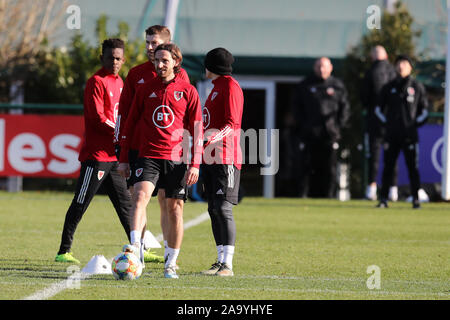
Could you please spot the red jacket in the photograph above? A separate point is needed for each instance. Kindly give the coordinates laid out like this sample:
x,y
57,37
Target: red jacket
x,y
222,116
101,104
163,111
137,76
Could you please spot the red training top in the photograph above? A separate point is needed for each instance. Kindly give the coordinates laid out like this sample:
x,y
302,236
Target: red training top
x,y
137,76
163,112
101,104
222,116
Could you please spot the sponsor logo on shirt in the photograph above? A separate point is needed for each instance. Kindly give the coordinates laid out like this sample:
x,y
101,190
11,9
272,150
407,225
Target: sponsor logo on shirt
x,y
163,117
206,117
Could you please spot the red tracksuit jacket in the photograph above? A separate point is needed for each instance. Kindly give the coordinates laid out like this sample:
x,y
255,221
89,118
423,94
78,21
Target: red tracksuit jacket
x,y
138,76
222,115
101,103
163,111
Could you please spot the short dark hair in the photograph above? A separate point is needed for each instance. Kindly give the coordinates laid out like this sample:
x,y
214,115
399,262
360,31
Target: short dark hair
x,y
112,43
404,57
174,51
160,30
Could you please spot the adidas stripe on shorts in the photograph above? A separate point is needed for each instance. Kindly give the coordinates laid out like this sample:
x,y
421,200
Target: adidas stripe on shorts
x,y
221,181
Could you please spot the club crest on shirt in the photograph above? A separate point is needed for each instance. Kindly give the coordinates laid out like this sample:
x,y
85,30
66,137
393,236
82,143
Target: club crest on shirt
x,y
139,172
214,95
330,91
411,92
178,95
100,175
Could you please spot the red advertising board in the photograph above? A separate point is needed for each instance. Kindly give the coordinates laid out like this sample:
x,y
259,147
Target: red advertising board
x,y
40,145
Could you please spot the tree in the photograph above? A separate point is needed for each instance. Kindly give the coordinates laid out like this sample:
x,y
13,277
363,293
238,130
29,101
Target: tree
x,y
24,26
60,74
397,36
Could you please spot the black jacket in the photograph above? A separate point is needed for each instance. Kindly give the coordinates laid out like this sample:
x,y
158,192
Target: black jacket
x,y
321,108
402,108
380,73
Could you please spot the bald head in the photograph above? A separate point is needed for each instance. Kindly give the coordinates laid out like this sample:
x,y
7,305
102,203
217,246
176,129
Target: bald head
x,y
378,53
323,68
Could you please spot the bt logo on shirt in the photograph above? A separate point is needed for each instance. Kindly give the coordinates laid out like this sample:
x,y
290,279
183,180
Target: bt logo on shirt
x,y
206,117
163,117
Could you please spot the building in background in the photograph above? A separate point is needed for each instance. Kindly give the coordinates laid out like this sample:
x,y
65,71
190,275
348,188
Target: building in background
x,y
274,43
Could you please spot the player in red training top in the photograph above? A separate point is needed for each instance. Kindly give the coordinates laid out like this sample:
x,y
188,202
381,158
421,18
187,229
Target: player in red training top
x,y
165,110
222,159
98,160
137,77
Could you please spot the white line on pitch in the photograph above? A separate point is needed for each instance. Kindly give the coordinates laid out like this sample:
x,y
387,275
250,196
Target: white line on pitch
x,y
62,285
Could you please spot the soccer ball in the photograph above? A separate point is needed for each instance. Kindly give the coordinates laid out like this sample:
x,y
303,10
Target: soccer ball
x,y
126,266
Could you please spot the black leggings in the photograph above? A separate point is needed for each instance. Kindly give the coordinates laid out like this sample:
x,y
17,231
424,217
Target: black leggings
x,y
222,221
93,174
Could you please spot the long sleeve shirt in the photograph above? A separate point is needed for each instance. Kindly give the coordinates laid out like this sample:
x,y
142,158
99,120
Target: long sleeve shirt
x,y
222,117
165,113
101,102
138,76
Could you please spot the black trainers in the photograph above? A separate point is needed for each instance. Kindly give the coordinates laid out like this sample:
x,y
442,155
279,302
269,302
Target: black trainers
x,y
382,204
214,268
416,204
225,271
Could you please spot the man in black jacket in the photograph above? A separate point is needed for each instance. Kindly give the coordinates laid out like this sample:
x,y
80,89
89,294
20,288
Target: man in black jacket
x,y
380,73
402,108
321,109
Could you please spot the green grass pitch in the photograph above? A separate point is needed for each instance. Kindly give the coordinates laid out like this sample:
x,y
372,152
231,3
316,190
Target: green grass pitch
x,y
289,249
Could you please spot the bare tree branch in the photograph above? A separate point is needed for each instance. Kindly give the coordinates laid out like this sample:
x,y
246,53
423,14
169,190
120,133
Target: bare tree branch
x,y
24,25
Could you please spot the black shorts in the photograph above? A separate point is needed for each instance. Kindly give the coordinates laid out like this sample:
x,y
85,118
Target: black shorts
x,y
221,181
161,172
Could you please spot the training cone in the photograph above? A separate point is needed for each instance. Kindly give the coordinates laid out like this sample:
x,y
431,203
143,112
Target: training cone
x,y
98,265
150,240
